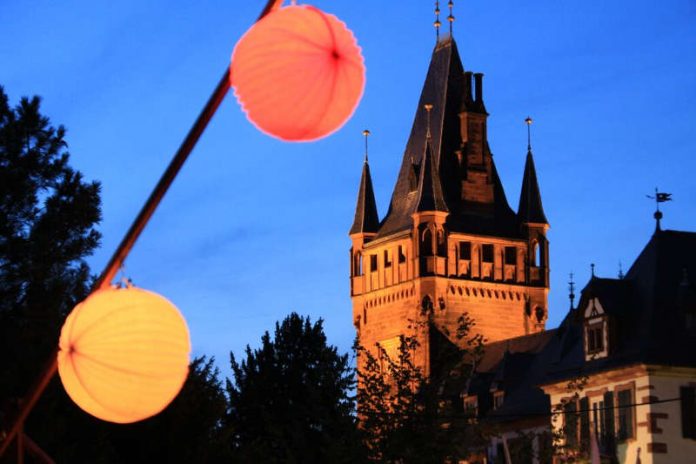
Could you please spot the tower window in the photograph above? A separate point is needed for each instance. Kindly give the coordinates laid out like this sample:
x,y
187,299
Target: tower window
x,y
402,255
427,243
510,255
465,250
373,263
358,265
487,253
539,313
387,258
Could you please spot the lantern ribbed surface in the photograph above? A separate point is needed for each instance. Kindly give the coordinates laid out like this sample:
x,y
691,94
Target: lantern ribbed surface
x,y
124,354
298,73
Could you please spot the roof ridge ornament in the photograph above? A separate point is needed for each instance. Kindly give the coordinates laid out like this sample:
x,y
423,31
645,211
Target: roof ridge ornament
x,y
428,108
366,134
529,122
571,291
450,18
437,22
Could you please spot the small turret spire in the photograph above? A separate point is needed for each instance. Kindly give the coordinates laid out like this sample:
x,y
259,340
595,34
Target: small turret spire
x,y
530,209
571,291
366,219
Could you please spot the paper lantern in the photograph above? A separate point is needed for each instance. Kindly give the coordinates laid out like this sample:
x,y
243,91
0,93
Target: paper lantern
x,y
124,354
298,73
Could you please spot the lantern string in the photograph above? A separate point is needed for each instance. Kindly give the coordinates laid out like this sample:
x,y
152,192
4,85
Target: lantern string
x,y
133,233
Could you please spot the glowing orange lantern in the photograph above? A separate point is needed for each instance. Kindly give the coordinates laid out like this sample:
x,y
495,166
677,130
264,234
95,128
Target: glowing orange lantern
x,y
124,354
298,73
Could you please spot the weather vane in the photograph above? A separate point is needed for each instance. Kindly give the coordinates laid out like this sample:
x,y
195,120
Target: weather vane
x,y
660,197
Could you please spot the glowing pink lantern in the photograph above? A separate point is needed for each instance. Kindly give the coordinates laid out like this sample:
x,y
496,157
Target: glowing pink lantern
x,y
298,73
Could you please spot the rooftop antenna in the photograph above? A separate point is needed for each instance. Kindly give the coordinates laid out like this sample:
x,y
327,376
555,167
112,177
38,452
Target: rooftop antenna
x,y
571,290
660,197
428,107
529,133
437,22
450,18
366,134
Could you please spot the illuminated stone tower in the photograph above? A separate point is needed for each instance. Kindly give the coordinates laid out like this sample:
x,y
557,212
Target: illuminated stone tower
x,y
449,240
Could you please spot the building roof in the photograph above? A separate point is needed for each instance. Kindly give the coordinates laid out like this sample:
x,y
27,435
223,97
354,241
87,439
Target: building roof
x,y
530,209
646,312
445,88
366,218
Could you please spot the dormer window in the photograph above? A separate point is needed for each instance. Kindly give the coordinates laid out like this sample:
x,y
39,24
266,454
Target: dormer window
x,y
596,331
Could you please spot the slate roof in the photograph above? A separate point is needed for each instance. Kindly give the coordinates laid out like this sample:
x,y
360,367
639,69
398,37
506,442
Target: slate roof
x,y
530,208
646,311
366,218
445,90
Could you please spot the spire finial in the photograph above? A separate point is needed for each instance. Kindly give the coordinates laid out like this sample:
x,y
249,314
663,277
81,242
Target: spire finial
x,y
592,269
660,197
437,22
428,107
366,134
450,18
571,291
529,133
621,273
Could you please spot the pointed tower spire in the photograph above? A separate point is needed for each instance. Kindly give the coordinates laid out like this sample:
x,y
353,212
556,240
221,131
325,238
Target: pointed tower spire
x,y
430,197
530,209
366,217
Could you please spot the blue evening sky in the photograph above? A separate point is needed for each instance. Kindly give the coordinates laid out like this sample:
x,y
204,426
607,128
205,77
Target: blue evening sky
x,y
254,228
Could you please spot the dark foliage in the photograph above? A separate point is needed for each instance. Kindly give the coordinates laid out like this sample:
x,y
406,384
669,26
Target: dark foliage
x,y
290,401
48,215
407,416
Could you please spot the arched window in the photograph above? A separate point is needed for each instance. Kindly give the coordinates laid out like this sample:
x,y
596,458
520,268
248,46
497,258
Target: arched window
x,y
426,246
358,264
536,254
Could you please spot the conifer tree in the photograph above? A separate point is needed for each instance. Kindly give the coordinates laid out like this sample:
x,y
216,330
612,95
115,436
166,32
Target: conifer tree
x,y
290,401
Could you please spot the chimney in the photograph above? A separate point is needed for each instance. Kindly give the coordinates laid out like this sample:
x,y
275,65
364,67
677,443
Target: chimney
x,y
479,87
467,86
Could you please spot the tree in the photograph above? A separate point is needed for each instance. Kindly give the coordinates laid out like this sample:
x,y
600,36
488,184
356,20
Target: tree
x,y
290,401
408,416
48,217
